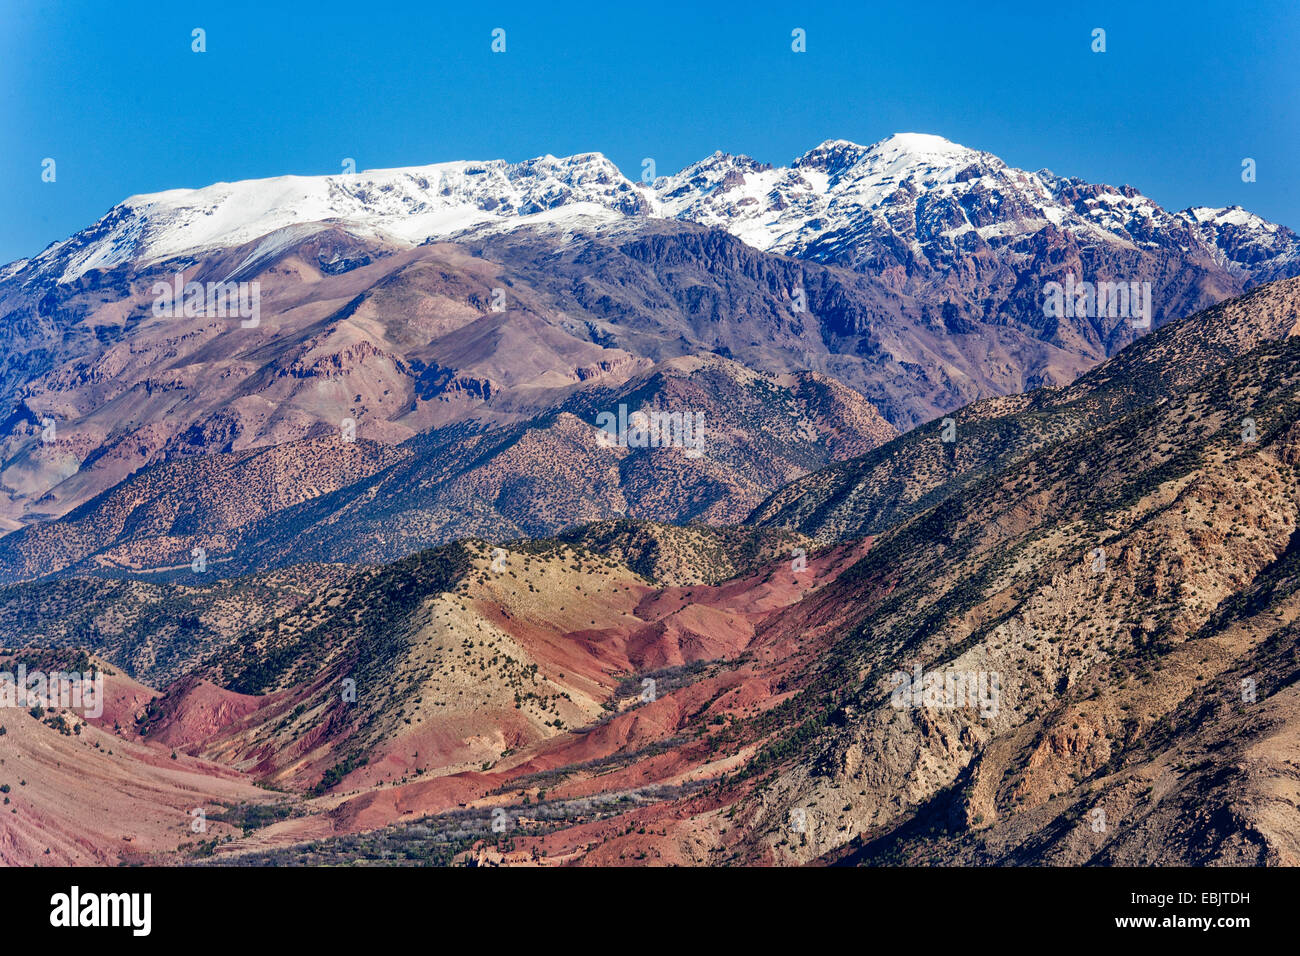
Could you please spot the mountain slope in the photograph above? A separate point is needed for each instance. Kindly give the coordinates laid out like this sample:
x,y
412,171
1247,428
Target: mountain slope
x,y
912,270
868,494
1096,653
87,791
1131,587
330,500
155,631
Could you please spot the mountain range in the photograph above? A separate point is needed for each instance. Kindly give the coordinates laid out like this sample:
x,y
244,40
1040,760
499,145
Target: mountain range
x,y
912,198
369,577
456,307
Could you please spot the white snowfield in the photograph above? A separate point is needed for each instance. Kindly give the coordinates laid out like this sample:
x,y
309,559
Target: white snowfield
x,y
914,188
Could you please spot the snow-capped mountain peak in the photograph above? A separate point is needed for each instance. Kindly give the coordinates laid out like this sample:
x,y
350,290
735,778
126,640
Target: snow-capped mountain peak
x,y
408,204
910,198
837,188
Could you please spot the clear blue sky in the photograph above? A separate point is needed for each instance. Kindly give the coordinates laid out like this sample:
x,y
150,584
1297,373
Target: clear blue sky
x,y
113,93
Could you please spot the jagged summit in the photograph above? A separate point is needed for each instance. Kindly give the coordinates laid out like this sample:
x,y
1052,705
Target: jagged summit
x,y
911,197
410,204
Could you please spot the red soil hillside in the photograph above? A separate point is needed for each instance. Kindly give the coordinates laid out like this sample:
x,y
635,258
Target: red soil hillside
x,y
504,683
84,790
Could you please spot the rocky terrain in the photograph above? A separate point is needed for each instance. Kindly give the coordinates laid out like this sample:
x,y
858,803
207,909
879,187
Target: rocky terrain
x,y
870,493
1102,578
329,500
438,306
156,631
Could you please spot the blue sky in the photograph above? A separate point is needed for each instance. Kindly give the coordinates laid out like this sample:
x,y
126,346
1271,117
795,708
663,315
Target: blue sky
x,y
114,94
